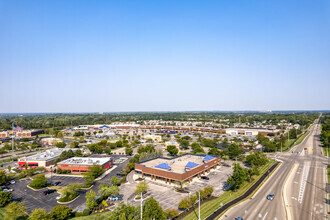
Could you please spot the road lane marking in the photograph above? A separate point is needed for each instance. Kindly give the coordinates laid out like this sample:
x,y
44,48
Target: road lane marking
x,y
303,182
265,216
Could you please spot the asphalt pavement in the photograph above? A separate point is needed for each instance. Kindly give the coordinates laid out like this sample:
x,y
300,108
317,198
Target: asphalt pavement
x,y
312,197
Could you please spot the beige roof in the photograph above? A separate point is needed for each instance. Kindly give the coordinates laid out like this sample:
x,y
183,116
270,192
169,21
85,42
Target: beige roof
x,y
177,165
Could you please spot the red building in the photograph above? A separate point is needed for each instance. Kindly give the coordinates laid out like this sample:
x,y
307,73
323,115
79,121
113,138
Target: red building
x,y
83,164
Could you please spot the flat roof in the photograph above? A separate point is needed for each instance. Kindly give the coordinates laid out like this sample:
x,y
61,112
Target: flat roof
x,y
86,161
177,164
47,155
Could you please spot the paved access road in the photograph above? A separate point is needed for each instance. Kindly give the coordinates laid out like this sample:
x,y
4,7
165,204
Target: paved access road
x,y
314,192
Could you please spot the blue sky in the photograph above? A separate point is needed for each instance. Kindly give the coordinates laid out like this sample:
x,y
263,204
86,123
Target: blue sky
x,y
87,56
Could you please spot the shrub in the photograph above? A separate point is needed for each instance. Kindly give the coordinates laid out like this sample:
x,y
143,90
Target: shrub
x,y
69,197
5,198
61,212
86,212
39,182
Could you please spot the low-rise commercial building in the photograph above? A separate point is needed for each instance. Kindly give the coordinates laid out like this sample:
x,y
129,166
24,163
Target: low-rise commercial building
x,y
50,141
78,165
157,138
21,134
178,169
43,159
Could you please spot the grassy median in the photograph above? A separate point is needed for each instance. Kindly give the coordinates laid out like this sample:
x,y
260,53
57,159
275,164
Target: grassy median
x,y
209,207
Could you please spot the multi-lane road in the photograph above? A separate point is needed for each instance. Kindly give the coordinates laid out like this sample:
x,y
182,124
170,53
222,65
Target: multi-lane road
x,y
302,178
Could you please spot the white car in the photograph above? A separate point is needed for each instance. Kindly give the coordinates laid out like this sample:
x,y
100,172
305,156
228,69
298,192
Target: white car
x,y
58,197
12,181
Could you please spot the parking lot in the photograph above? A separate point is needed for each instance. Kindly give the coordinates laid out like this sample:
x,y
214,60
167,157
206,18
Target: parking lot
x,y
166,195
37,199
217,179
33,199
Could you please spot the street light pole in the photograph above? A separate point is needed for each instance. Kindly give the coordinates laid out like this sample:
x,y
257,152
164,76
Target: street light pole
x,y
141,205
199,206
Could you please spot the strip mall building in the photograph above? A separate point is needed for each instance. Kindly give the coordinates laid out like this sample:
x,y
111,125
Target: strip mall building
x,y
178,169
79,165
42,159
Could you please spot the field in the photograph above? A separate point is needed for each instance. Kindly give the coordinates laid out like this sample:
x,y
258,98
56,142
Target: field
x,y
209,207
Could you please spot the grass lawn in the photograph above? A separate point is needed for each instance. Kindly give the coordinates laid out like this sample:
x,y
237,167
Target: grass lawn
x,y
209,207
325,151
92,217
287,144
2,213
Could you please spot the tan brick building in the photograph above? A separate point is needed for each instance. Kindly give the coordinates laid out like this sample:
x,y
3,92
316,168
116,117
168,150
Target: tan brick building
x,y
182,168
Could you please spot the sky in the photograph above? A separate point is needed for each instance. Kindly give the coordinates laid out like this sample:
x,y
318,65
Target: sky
x,y
112,56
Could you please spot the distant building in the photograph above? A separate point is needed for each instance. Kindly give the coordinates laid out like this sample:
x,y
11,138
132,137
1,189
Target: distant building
x,y
157,138
83,164
48,142
22,134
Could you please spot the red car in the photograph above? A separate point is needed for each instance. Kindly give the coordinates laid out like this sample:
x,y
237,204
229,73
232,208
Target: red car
x,y
7,184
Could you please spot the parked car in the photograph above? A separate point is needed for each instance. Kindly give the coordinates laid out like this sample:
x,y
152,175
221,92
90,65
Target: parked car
x,y
56,183
12,181
239,218
49,191
270,196
205,177
7,184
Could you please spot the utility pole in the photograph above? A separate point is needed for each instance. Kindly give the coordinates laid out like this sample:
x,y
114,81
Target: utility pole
x,y
141,205
12,139
199,206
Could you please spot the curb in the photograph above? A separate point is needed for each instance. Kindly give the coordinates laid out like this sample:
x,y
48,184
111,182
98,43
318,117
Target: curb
x,y
288,212
62,203
88,187
220,211
36,190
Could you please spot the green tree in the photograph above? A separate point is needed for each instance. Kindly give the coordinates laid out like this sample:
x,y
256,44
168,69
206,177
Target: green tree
x,y
5,198
171,213
74,144
3,177
214,151
141,188
40,214
61,212
208,191
114,181
90,199
197,148
257,159
128,150
96,170
192,199
234,151
152,210
238,177
109,191
61,145
184,204
251,172
15,210
172,149
59,134
39,181
89,178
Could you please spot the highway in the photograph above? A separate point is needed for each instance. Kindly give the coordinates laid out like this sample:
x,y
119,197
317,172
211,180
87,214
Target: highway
x,y
305,189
